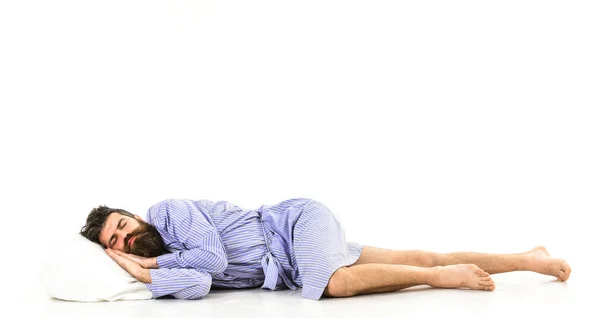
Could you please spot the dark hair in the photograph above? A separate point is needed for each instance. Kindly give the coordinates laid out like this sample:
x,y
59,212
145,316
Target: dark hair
x,y
95,222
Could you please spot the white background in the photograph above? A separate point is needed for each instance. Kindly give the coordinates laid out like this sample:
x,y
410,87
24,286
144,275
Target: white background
x,y
440,125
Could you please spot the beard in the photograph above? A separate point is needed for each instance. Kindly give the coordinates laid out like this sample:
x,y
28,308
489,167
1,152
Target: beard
x,y
147,243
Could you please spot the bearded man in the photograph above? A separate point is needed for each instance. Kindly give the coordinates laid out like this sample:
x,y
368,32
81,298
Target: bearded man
x,y
184,247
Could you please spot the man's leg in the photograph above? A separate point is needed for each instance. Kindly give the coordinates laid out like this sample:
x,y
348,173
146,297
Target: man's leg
x,y
536,260
378,278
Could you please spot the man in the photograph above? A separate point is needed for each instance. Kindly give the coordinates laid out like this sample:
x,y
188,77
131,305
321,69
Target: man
x,y
186,246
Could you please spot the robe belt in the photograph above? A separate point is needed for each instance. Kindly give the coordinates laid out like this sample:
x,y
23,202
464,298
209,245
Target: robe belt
x,y
272,268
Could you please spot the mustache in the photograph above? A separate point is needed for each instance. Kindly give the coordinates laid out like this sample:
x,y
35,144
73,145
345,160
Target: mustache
x,y
140,230
148,242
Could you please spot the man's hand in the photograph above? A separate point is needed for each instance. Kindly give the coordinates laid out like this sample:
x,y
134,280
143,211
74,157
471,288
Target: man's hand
x,y
145,262
132,267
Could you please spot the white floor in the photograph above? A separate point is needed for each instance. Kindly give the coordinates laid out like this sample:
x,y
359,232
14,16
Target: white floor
x,y
517,295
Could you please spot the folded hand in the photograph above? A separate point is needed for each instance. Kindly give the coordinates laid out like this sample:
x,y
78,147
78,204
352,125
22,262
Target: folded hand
x,y
145,262
132,267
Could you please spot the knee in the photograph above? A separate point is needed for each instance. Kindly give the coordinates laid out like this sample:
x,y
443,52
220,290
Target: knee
x,y
429,259
419,258
339,284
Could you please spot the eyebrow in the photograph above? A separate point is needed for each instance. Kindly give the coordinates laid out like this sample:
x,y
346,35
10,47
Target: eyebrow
x,y
112,236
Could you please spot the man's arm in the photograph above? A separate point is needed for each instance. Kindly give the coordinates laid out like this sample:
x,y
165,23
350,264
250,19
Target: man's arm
x,y
181,283
203,246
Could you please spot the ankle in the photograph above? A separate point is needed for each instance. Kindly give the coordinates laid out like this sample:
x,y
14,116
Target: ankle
x,y
432,276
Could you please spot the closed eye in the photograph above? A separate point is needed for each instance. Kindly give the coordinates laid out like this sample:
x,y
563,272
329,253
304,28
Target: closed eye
x,y
113,239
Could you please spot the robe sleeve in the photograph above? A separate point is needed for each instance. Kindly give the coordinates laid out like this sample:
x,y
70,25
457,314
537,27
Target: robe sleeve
x,y
187,224
182,283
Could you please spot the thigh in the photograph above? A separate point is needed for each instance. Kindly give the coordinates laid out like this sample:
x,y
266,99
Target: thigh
x,y
372,254
320,248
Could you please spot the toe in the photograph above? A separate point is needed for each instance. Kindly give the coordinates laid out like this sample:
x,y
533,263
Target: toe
x,y
476,269
567,268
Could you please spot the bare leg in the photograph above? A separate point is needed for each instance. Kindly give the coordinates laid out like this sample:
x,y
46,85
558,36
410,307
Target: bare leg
x,y
536,260
378,278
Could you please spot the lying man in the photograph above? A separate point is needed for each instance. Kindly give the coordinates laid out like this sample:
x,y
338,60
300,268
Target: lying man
x,y
186,246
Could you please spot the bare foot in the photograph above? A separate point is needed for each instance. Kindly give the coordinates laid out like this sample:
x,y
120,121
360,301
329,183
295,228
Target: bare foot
x,y
462,275
542,263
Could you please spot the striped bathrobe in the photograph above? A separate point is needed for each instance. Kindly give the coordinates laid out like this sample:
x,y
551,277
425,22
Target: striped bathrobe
x,y
294,243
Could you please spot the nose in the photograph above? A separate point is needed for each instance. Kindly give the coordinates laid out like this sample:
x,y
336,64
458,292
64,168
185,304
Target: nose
x,y
123,236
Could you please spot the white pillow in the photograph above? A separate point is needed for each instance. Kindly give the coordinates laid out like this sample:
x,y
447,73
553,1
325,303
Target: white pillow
x,y
80,270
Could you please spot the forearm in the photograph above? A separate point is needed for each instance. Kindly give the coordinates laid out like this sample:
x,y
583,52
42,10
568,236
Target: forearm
x,y
143,275
151,264
212,261
180,282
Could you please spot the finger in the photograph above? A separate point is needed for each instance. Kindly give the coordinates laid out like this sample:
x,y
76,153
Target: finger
x,y
132,257
121,253
110,253
118,258
125,263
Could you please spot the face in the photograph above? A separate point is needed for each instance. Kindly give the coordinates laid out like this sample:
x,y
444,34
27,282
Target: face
x,y
131,235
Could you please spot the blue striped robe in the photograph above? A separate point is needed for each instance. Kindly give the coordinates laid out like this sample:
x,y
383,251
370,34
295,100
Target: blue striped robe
x,y
294,243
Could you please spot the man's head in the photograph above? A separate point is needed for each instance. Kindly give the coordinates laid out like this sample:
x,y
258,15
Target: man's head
x,y
124,231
